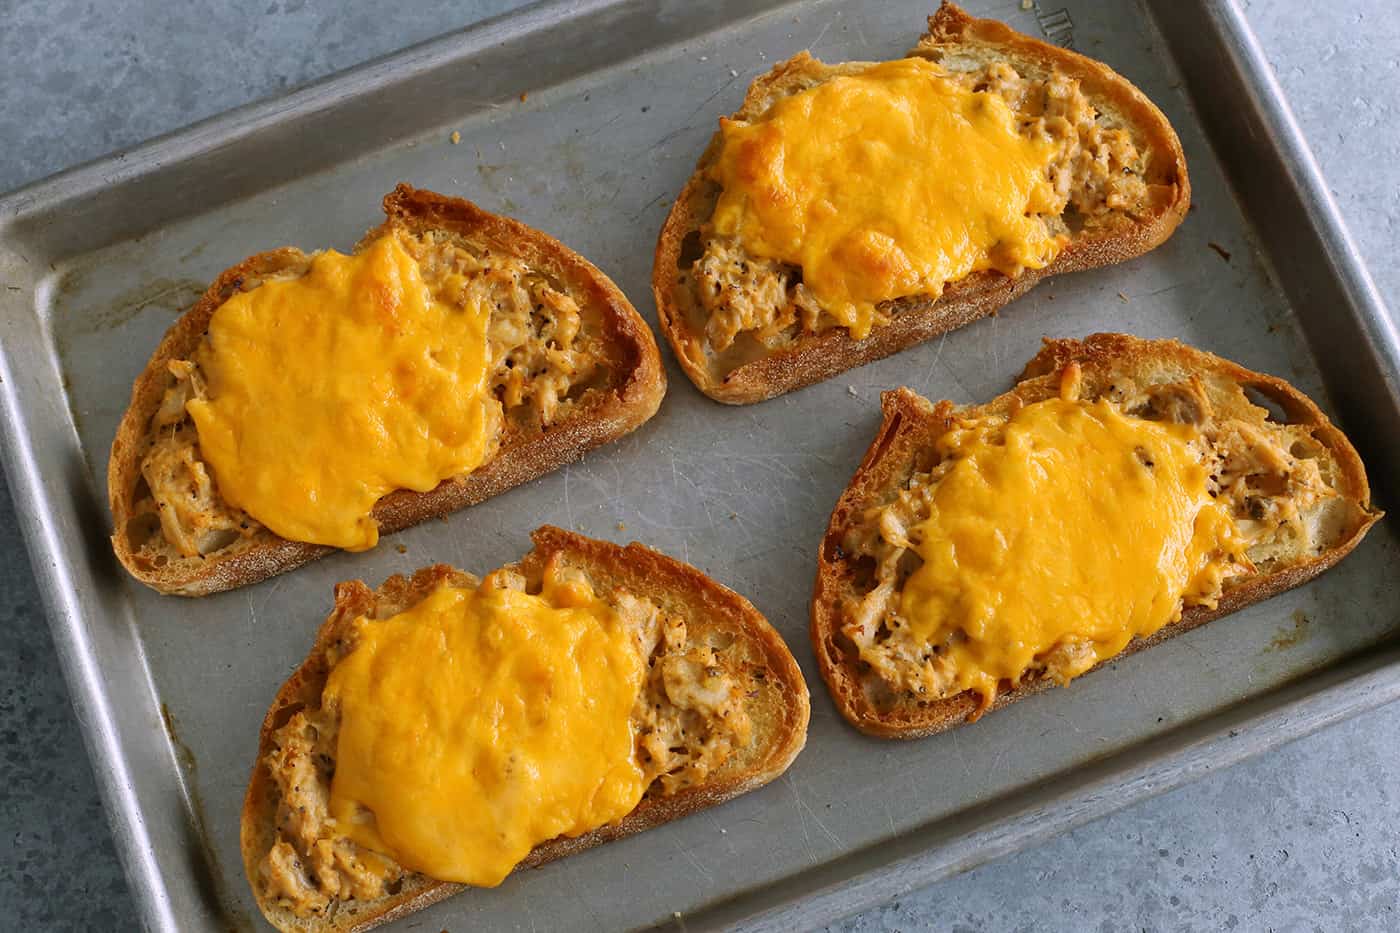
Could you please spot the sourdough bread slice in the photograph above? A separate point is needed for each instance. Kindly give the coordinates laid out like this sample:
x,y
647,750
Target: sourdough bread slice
x,y
745,646
622,387
752,369
1156,379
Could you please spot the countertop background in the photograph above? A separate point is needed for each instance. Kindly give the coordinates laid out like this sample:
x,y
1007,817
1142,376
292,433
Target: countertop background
x,y
1299,839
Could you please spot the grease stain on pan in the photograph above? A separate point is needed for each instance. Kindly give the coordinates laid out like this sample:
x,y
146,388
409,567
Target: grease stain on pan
x,y
210,873
1293,635
172,295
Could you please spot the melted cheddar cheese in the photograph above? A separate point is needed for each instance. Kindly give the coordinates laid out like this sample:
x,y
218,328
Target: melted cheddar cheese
x,y
483,722
1070,528
886,183
328,391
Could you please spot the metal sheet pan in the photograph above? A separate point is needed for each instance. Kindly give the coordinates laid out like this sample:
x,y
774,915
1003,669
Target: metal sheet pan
x,y
97,262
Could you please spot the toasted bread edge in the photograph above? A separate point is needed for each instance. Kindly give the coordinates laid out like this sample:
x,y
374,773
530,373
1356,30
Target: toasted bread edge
x,y
910,421
641,570
815,358
628,405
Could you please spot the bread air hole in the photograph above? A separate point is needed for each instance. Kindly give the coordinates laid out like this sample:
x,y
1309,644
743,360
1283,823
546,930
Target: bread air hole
x,y
600,378
863,574
212,541
1073,219
719,639
691,250
143,529
1278,408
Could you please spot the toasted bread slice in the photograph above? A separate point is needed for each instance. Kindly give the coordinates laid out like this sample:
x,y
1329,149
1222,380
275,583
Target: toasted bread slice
x,y
774,695
1160,379
750,369
622,391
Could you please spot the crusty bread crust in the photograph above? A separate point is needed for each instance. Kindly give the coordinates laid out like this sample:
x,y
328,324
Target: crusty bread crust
x,y
637,386
912,423
813,358
779,712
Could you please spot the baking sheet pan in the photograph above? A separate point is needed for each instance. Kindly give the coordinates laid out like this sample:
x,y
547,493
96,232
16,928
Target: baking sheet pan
x,y
584,119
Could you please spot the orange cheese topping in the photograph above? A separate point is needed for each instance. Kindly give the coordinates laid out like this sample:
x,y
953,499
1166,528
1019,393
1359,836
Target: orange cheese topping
x,y
483,722
328,391
1070,527
886,183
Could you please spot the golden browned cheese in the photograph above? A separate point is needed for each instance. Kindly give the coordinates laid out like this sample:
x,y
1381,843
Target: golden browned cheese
x,y
543,353
888,181
687,720
1094,170
1264,476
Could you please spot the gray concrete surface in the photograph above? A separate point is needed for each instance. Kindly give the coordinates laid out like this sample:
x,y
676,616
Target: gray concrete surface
x,y
1301,839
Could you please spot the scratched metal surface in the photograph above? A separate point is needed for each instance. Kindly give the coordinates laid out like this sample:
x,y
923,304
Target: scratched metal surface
x,y
179,688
